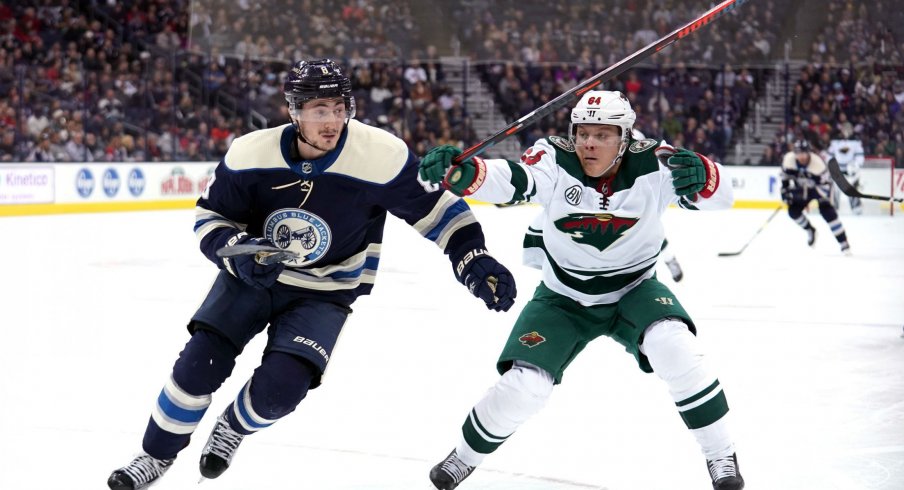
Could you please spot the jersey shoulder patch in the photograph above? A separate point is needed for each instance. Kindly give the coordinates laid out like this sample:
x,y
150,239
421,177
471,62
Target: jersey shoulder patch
x,y
256,150
370,154
642,145
562,143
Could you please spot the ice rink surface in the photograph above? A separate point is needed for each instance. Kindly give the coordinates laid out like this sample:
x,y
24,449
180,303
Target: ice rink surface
x,y
806,342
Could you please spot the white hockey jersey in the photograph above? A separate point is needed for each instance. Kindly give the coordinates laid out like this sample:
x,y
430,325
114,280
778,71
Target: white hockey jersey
x,y
849,154
596,238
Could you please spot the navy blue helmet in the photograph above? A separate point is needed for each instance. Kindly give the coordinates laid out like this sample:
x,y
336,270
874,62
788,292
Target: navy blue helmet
x,y
318,79
801,146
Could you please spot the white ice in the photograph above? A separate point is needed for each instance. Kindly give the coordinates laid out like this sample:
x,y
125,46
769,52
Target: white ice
x,y
806,342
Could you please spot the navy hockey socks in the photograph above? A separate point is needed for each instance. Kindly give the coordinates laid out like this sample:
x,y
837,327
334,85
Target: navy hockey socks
x,y
206,361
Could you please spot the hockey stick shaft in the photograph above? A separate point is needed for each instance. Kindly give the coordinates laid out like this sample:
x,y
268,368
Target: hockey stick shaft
x,y
604,76
263,254
773,215
849,189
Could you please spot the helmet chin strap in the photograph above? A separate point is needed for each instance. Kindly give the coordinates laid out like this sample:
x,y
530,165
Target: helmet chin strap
x,y
616,160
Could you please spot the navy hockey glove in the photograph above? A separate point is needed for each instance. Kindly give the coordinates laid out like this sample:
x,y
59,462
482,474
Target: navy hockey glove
x,y
247,268
436,167
788,188
487,279
688,172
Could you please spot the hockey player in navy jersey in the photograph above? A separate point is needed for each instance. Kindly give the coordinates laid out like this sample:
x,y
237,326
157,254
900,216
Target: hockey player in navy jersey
x,y
805,177
596,242
319,187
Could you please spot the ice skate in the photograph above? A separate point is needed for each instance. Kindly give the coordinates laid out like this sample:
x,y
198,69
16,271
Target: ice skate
x,y
221,447
675,269
448,473
140,473
811,236
725,473
846,249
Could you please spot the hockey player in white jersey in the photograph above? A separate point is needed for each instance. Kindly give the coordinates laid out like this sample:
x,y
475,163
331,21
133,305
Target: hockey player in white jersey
x,y
850,156
597,242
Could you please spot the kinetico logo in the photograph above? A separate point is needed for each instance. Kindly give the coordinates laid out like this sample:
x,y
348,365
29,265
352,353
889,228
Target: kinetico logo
x,y
84,182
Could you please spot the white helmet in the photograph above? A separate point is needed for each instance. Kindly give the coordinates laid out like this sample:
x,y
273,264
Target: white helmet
x,y
604,107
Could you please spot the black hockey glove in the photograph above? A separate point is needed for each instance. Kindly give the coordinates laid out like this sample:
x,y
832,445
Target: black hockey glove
x,y
247,268
788,188
487,279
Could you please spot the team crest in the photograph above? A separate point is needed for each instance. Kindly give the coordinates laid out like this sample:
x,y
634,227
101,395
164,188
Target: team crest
x,y
599,230
532,339
301,232
641,146
562,143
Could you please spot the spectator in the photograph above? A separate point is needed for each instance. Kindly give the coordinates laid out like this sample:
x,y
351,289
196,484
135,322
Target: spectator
x,y
76,151
43,151
769,157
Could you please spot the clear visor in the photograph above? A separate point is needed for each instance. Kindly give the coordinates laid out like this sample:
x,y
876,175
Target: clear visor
x,y
325,111
596,138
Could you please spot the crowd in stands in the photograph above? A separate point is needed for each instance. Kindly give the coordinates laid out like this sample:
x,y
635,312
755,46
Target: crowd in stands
x,y
115,81
549,48
603,33
854,86
697,108
159,80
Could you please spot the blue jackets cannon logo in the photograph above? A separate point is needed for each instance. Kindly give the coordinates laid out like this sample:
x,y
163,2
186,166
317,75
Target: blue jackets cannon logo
x,y
299,231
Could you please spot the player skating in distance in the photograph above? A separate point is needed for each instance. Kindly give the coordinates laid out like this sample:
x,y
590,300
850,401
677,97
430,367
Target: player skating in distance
x,y
805,177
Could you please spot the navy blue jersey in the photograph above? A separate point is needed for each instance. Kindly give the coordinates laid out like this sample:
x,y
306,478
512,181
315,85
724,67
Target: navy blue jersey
x,y
331,210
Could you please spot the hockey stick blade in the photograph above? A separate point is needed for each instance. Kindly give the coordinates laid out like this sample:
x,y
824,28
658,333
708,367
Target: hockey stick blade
x,y
509,204
264,254
735,254
850,190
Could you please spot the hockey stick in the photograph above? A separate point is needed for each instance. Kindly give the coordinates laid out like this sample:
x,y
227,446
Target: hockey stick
x,y
847,188
263,254
603,76
734,254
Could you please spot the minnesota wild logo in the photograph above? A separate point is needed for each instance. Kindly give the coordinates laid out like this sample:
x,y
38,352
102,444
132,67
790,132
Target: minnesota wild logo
x,y
532,339
598,230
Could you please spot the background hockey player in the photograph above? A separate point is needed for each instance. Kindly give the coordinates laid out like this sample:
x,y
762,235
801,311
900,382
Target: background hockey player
x,y
850,156
671,261
320,186
597,242
805,177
